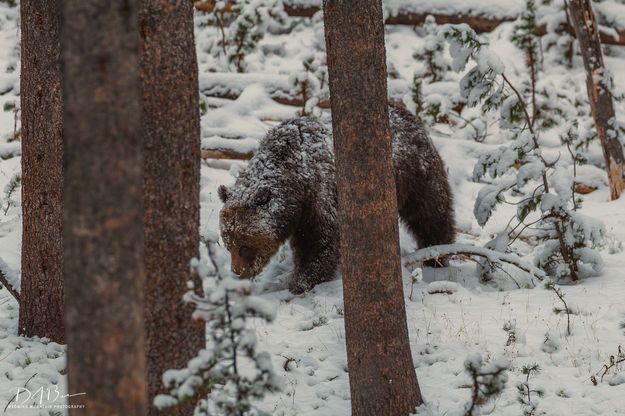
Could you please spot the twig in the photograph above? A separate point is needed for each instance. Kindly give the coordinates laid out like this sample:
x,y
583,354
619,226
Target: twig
x,y
568,146
559,294
525,227
509,275
475,390
478,138
288,361
613,362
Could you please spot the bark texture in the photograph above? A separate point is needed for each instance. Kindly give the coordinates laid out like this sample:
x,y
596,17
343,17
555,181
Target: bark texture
x,y
103,219
381,371
599,94
41,303
171,184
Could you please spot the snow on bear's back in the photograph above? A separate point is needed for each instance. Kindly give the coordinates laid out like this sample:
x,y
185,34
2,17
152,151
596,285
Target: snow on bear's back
x,y
298,146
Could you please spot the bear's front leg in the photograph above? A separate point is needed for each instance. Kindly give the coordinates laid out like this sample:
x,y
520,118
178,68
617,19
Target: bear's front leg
x,y
316,261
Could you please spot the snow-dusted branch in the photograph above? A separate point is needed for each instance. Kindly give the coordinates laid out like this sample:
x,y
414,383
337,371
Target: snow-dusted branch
x,y
447,250
10,280
213,379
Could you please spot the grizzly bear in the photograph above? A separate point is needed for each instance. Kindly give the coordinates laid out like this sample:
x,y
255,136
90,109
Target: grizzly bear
x,y
288,193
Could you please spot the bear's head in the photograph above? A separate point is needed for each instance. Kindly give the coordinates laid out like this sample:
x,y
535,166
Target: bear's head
x,y
248,230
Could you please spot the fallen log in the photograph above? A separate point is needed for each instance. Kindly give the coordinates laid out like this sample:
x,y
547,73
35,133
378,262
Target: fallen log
x,y
227,144
226,154
230,85
609,36
480,22
410,18
404,16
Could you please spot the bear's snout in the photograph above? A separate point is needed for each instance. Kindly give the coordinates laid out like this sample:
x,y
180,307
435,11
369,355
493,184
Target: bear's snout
x,y
238,267
243,261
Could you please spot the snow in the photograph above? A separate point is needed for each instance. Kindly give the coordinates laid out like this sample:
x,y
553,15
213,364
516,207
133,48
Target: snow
x,y
611,13
442,287
448,321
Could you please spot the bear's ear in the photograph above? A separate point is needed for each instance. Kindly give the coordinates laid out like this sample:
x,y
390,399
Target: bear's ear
x,y
224,193
262,196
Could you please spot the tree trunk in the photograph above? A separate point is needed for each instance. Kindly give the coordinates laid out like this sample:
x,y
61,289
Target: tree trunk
x,y
599,94
381,371
103,219
169,77
41,300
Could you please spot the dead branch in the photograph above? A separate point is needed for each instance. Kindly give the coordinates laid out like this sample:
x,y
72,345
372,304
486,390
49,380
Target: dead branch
x,y
613,362
599,94
447,250
9,287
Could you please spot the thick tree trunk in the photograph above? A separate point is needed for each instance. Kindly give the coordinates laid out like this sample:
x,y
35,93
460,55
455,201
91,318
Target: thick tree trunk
x,y
41,303
381,371
103,219
599,94
171,184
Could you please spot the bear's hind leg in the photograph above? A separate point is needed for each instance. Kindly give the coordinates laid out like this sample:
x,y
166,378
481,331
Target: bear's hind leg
x,y
429,227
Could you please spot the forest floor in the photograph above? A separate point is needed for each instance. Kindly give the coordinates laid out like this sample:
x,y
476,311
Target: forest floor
x,y
307,339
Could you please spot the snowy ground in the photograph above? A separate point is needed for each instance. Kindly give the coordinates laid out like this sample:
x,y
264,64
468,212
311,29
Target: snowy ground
x,y
307,339
308,335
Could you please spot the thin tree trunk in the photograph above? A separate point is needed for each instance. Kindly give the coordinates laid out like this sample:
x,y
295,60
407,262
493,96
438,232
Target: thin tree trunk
x,y
171,185
599,94
381,371
41,303
103,219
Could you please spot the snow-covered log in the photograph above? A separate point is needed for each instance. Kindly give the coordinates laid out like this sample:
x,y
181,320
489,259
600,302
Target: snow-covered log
x,y
230,85
406,16
481,15
411,12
